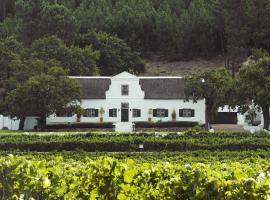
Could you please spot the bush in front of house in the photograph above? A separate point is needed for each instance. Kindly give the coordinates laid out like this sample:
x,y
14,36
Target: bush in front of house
x,y
165,124
78,126
109,125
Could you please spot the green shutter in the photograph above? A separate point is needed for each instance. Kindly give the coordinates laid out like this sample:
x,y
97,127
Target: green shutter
x,y
110,112
96,112
139,113
192,112
154,112
166,113
85,112
181,114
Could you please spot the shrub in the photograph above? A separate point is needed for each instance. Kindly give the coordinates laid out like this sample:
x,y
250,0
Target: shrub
x,y
164,124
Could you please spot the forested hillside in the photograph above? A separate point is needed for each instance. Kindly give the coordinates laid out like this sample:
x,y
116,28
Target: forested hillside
x,y
116,30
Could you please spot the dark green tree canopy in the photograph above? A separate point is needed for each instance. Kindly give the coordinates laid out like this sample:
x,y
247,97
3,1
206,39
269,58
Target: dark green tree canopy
x,y
215,86
253,84
79,61
42,95
115,55
171,27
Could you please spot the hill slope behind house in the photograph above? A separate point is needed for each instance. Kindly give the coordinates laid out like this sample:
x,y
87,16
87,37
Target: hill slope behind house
x,y
159,67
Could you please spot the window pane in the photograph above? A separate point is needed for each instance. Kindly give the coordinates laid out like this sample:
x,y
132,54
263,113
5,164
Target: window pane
x,y
90,112
136,113
124,105
187,113
124,89
161,112
113,112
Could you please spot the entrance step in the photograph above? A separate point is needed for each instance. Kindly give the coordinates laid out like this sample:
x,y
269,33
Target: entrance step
x,y
124,127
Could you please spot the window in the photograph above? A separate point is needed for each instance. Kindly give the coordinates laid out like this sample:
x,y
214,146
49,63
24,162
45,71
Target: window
x,y
124,105
186,113
91,112
136,113
124,90
113,112
64,114
160,112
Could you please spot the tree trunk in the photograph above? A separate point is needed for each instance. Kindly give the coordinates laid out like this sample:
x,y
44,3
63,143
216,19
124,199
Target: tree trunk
x,y
21,124
208,116
266,122
42,121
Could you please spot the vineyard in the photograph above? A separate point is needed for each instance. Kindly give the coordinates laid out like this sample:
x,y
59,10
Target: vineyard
x,y
194,165
92,142
108,178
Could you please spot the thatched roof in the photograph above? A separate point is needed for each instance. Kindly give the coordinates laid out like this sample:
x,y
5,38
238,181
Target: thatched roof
x,y
154,87
163,88
94,88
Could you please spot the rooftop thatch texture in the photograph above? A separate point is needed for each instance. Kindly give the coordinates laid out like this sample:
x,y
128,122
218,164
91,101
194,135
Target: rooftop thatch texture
x,y
163,88
94,88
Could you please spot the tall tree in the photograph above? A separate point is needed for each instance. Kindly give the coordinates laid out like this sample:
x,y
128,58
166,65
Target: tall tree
x,y
42,95
79,61
57,20
213,86
10,56
115,55
253,85
6,8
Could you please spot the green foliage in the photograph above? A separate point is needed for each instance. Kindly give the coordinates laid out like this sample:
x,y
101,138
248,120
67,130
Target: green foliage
x,y
173,115
108,178
10,56
173,28
79,61
253,84
213,86
42,95
190,140
115,55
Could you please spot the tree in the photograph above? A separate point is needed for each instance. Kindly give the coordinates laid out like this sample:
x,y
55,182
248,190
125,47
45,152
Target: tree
x,y
253,85
10,57
57,20
213,86
79,61
42,95
115,55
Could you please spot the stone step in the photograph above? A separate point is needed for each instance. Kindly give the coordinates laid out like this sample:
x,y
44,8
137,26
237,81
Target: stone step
x,y
127,127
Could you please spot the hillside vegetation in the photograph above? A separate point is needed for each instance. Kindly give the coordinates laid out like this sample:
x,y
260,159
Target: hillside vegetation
x,y
176,29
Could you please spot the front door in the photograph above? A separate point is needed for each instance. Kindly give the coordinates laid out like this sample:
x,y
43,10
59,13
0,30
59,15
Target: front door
x,y
124,112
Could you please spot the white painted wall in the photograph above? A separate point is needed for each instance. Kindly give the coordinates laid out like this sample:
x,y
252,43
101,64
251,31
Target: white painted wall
x,y
13,123
6,122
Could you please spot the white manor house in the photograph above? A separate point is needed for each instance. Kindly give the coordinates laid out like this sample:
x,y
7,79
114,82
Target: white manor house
x,y
128,98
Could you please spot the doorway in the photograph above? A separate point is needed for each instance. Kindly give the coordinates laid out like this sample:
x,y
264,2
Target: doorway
x,y
124,112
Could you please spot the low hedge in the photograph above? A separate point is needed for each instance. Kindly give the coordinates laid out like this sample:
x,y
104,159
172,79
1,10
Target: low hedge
x,y
164,124
109,125
78,126
131,142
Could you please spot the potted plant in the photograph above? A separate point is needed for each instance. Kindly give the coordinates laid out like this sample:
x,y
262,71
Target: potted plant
x,y
79,112
173,115
101,112
150,112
